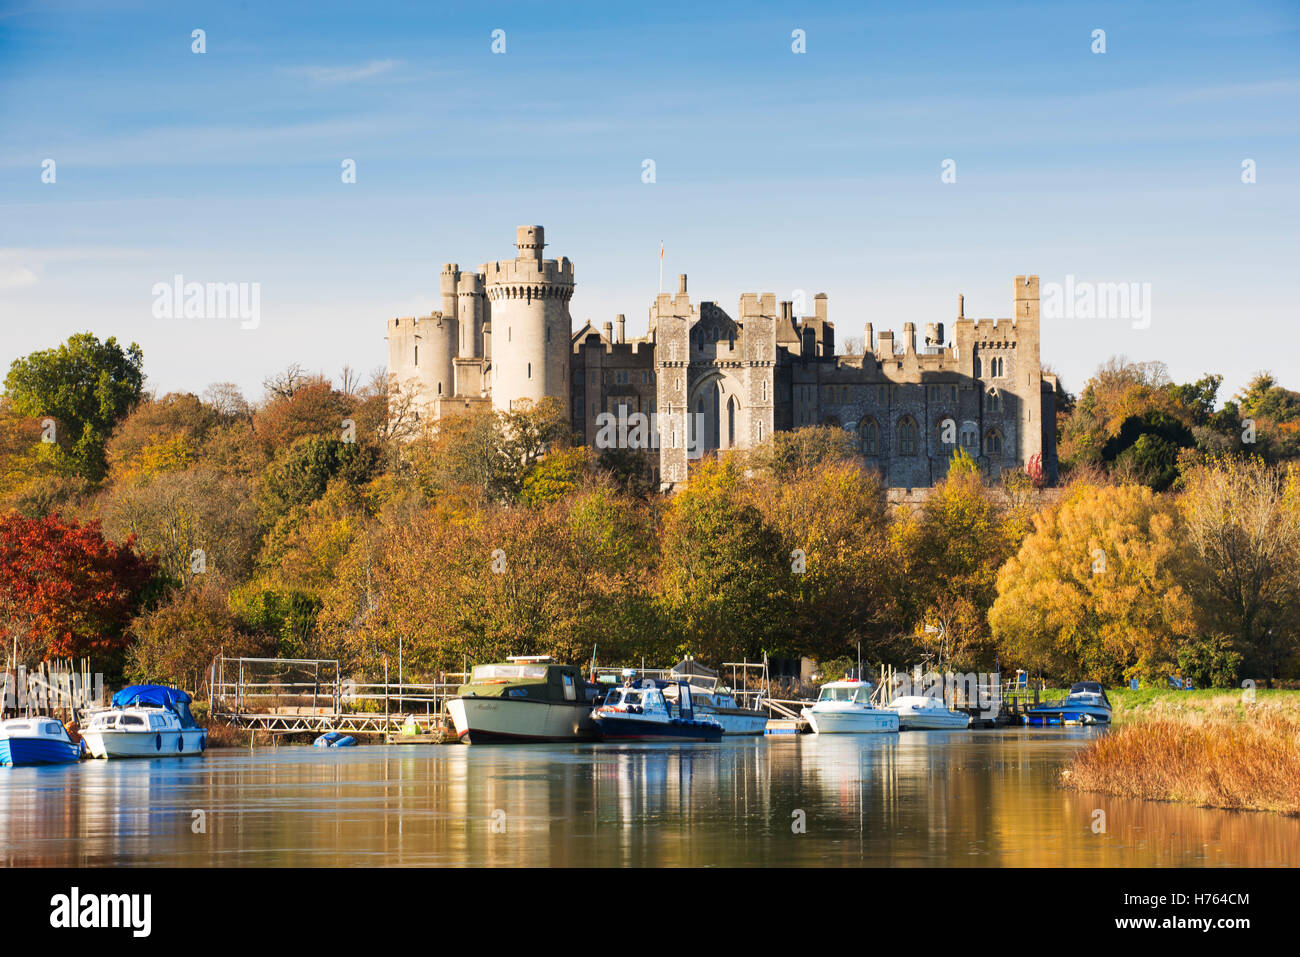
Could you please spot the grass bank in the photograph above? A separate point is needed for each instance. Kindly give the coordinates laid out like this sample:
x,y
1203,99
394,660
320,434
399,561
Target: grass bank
x,y
1207,748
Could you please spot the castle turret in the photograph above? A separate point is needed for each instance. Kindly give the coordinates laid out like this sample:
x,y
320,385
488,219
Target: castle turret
x,y
470,301
421,352
531,325
1027,370
449,278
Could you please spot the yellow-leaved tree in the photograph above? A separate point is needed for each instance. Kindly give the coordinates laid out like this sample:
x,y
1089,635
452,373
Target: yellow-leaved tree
x,y
1095,591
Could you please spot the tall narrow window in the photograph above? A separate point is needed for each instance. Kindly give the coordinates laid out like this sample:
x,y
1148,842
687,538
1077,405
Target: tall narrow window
x,y
417,355
731,422
870,433
907,436
530,370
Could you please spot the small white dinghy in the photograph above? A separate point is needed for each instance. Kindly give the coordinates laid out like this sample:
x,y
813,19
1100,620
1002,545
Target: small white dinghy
x,y
919,712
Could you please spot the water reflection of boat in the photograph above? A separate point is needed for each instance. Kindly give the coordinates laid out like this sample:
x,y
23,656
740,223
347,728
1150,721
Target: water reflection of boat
x,y
844,707
28,741
527,698
926,713
1085,704
642,714
145,721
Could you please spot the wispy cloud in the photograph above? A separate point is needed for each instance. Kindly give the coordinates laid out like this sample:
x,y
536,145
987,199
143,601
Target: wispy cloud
x,y
335,75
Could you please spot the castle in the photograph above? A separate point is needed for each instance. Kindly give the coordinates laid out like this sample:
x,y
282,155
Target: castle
x,y
701,380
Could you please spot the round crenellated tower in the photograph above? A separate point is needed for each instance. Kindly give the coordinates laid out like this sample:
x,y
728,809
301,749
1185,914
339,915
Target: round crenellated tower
x,y
529,304
420,353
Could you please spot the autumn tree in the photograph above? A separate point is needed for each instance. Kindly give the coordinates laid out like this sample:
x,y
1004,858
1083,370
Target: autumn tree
x,y
834,528
192,522
160,435
1243,522
176,639
1096,589
948,553
783,454
69,591
725,573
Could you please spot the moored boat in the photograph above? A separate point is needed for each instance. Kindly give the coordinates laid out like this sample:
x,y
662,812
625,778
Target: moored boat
x,y
844,707
145,721
632,713
1085,704
721,706
32,741
926,713
525,698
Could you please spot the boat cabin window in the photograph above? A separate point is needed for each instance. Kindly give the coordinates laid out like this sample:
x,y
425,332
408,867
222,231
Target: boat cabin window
x,y
50,727
132,720
570,691
837,694
18,727
485,674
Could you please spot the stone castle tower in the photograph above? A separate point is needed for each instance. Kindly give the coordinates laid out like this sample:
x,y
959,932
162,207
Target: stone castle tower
x,y
447,357
706,381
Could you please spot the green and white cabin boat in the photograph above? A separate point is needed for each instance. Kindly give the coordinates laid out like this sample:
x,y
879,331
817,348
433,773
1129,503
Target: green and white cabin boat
x,y
525,698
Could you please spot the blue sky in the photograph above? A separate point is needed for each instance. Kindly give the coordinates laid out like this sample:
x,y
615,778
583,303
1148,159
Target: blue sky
x,y
775,171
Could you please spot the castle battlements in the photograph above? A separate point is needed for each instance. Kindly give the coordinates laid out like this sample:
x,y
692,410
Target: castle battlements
x,y
504,336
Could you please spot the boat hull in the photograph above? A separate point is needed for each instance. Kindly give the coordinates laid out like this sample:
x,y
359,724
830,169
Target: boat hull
x,y
619,727
26,752
851,722
146,744
736,721
1067,715
932,721
502,720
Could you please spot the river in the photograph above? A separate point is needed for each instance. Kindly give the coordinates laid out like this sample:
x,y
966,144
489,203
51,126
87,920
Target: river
x,y
915,799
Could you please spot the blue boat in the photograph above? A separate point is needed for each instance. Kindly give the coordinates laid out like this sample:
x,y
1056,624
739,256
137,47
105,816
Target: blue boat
x,y
1085,704
332,739
642,714
30,741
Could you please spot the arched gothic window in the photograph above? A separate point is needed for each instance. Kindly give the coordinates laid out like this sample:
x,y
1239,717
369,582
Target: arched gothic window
x,y
907,436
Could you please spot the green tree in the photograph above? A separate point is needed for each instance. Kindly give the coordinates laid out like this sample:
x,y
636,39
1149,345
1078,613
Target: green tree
x,y
724,572
86,386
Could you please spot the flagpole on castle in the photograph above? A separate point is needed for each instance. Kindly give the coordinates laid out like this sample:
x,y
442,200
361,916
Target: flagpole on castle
x,y
661,266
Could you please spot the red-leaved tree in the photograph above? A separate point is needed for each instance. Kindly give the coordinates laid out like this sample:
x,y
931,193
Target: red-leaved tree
x,y
65,590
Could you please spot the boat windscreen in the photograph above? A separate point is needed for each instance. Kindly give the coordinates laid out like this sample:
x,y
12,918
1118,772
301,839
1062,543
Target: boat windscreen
x,y
836,694
485,673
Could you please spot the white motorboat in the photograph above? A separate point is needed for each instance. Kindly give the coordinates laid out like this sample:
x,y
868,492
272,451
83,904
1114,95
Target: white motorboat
x,y
146,721
844,707
927,713
141,732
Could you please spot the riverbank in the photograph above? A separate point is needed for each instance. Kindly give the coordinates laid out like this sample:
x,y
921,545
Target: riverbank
x,y
1208,748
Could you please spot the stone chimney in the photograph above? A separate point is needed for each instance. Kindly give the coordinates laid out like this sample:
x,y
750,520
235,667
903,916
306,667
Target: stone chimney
x,y
621,322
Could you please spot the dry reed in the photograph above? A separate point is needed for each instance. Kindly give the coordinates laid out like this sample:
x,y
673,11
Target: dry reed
x,y
1246,758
